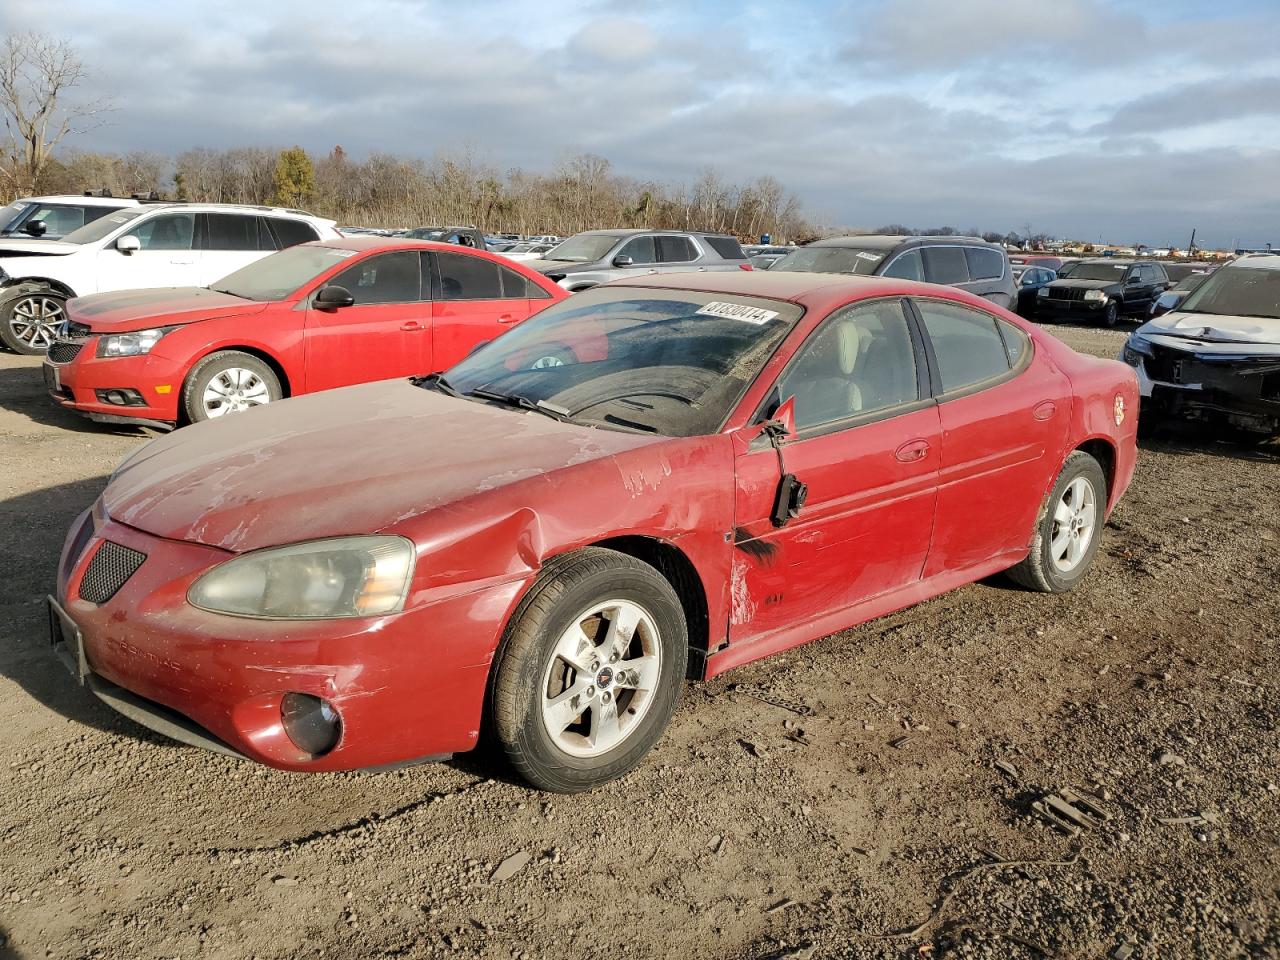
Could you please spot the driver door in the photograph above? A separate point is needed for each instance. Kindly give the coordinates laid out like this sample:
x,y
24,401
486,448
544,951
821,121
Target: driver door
x,y
167,256
868,446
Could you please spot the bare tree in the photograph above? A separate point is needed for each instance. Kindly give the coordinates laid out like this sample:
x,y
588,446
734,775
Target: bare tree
x,y
36,74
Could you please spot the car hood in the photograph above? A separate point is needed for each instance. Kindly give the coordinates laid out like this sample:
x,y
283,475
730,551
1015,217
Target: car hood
x,y
127,310
29,248
340,462
1067,283
1207,328
557,266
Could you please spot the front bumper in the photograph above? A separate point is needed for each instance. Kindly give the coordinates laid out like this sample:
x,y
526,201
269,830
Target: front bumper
x,y
1241,390
1047,308
407,687
83,383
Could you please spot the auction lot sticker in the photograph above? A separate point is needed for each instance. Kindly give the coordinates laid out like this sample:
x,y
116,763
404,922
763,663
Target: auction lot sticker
x,y
737,311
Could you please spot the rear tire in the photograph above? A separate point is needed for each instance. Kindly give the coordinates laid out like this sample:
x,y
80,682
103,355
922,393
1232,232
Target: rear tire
x,y
29,322
228,382
1068,529
568,728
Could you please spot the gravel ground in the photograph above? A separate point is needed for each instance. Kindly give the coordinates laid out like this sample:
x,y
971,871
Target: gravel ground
x,y
784,814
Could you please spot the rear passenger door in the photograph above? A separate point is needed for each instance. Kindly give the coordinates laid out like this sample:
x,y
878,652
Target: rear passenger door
x,y
676,254
229,241
475,300
1004,414
386,333
945,265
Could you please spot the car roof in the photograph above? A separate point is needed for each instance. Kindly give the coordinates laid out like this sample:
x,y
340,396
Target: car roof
x,y
84,201
1258,261
634,231
875,241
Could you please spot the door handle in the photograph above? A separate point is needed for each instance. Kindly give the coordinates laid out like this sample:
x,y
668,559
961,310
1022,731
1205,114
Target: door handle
x,y
185,263
411,326
912,451
506,318
1045,410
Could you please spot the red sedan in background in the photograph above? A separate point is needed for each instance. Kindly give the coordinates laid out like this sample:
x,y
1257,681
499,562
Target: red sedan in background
x,y
309,318
716,468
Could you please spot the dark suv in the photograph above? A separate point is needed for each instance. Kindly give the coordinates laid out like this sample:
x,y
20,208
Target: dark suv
x,y
967,262
598,256
1103,290
463,236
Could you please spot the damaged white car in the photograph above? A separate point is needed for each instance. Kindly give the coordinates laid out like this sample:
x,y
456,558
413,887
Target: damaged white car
x,y
1217,357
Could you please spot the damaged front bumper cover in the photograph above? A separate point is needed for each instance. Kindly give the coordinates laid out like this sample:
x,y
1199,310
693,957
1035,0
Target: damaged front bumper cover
x,y
1242,389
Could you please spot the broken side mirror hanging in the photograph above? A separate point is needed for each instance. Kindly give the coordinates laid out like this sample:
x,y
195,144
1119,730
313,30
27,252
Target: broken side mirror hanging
x,y
792,493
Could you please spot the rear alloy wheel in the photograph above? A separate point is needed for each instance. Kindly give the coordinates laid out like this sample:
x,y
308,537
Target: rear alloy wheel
x,y
1069,528
227,383
591,670
1111,313
29,323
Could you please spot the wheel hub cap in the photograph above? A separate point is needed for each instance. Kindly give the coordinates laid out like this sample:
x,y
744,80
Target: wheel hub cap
x,y
1074,519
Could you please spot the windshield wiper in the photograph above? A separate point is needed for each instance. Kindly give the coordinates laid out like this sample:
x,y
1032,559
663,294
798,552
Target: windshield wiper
x,y
553,410
671,394
438,381
230,293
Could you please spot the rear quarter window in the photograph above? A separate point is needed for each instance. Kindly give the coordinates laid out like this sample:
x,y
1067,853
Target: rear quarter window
x,y
967,344
727,247
945,265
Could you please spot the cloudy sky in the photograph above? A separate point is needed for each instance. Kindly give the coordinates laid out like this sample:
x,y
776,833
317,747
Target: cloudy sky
x,y
1120,120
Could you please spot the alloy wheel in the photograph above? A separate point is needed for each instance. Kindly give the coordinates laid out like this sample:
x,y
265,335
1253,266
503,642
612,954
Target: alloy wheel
x,y
1075,518
35,320
234,390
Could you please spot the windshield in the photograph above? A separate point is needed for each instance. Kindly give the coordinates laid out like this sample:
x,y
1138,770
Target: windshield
x,y
92,232
584,248
673,362
1111,272
10,214
277,276
1237,292
831,260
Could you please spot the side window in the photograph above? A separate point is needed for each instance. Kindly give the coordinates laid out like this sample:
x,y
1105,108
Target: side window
x,y
946,265
640,250
386,278
859,361
675,250
59,221
468,278
290,232
230,231
1016,342
515,286
967,344
727,247
906,267
984,263
167,231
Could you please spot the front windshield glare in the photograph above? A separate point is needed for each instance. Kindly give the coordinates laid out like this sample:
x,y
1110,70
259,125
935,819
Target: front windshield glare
x,y
99,228
1237,292
830,260
281,274
673,362
582,249
1111,272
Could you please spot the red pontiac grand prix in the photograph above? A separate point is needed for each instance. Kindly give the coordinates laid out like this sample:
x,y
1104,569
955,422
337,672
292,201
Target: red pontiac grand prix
x,y
713,468
315,316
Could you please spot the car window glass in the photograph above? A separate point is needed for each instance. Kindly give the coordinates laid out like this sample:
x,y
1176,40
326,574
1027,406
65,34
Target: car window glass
x,y
966,343
386,278
59,221
289,231
859,361
230,231
906,267
946,265
675,250
984,263
1016,342
167,231
265,240
468,278
515,286
727,247
640,250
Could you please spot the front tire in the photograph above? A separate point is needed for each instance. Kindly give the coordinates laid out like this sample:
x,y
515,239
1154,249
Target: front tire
x,y
1068,529
1111,314
591,670
29,322
228,382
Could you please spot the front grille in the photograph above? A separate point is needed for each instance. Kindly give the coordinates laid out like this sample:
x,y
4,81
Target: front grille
x,y
110,567
1166,365
1066,293
64,351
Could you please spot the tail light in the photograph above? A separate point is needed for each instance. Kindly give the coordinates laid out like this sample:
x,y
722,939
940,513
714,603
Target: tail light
x,y
745,266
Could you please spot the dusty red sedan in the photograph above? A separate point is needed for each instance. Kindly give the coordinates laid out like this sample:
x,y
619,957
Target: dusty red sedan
x,y
309,318
713,468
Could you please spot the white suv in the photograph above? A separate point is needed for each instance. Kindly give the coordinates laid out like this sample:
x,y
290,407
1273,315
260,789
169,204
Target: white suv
x,y
150,245
52,218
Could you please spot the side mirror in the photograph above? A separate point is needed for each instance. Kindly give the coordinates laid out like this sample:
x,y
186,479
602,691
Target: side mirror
x,y
36,228
333,297
129,245
622,260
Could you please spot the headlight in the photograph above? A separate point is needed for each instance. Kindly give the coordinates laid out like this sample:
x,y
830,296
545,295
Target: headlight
x,y
130,344
1094,295
319,580
1042,292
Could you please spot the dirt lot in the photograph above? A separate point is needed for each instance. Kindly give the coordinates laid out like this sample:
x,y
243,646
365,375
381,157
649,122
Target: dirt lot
x,y
776,819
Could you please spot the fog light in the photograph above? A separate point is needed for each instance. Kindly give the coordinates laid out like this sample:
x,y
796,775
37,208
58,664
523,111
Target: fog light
x,y
311,723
